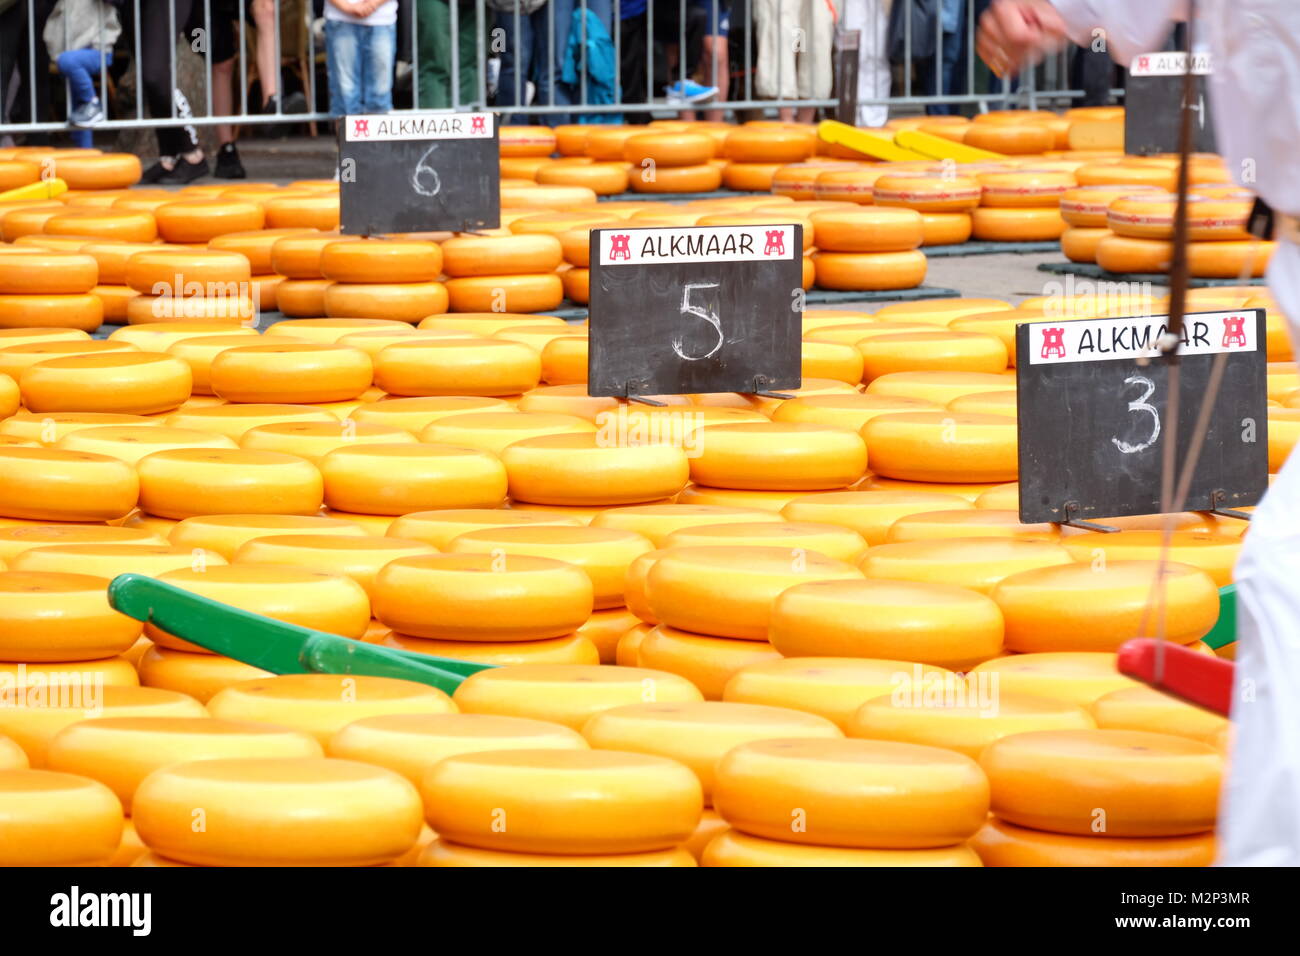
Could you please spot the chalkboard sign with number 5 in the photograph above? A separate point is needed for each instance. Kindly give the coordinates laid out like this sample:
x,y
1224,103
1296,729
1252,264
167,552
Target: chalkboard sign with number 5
x,y
1092,400
425,173
695,309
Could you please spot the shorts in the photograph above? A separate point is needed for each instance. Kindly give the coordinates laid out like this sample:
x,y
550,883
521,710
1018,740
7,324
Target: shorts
x,y
724,16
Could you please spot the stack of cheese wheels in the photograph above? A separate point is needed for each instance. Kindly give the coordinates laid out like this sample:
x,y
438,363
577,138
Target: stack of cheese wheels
x,y
190,285
560,808
836,802
434,604
1100,798
515,273
306,811
1020,205
383,279
256,247
1084,209
944,201
1141,229
297,258
671,162
40,288
111,290
707,633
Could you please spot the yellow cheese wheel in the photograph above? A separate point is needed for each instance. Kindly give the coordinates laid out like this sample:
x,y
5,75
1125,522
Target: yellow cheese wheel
x,y
603,553
1098,605
278,812
625,654
831,360
181,483
393,260
831,687
236,308
1080,244
869,271
634,593
927,193
120,752
605,628
564,360
1229,259
658,522
975,563
257,245
396,479
45,683
1121,254
603,179
102,171
1124,783
987,403
938,311
968,490
410,744
312,440
20,537
732,848
1023,188
966,719
225,534
313,599
60,617
448,596
34,715
124,225
306,212
161,336
1150,710
850,411
749,177
684,589
579,469
1086,206
84,312
110,560
707,662
1151,216
769,145
886,229
124,382
942,446
565,693
474,366
290,373
234,420
500,293
46,484
569,649
11,337
851,793
507,255
47,273
1032,224
945,228
698,734
930,623
413,414
201,351
492,431
778,456
701,178
562,801
199,676
298,256
441,853
937,387
130,443
526,140
405,301
931,351
200,220
1077,677
11,755
321,704
302,298
56,819
28,220
372,343
438,528
1000,843
668,149
979,523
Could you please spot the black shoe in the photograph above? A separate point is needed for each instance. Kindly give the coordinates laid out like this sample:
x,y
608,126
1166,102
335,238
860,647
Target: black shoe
x,y
185,172
155,173
228,164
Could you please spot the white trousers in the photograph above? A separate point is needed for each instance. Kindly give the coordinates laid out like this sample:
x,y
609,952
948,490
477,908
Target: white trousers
x,y
871,19
794,49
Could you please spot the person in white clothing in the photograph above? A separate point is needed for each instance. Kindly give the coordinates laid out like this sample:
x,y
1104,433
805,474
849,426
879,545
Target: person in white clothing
x,y
871,19
1255,88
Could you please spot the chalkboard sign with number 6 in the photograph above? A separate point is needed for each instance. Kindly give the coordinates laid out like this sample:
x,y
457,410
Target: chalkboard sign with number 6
x,y
695,309
1092,398
426,173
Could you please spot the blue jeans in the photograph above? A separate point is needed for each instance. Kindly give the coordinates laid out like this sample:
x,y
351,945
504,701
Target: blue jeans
x,y
527,56
79,66
360,64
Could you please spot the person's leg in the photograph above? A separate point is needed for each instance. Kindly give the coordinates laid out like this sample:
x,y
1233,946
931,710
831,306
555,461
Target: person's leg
x,y
467,30
380,49
632,67
77,65
343,56
433,28
553,19
516,62
268,67
159,25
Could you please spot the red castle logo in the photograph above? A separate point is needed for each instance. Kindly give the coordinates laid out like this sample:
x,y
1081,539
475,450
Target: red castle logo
x,y
476,124
618,247
361,127
775,243
1053,343
1143,62
1233,332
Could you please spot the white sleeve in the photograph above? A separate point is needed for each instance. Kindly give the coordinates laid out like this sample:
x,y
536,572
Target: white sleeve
x,y
1127,28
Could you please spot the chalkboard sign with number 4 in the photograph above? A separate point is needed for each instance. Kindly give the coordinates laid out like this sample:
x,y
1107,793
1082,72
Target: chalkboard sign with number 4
x,y
1091,402
695,309
427,173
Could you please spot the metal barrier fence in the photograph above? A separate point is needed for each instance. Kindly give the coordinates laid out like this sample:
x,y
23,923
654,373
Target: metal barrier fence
x,y
844,56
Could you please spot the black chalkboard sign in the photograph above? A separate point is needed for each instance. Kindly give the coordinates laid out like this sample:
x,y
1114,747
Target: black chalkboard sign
x,y
419,173
1092,396
695,309
1153,100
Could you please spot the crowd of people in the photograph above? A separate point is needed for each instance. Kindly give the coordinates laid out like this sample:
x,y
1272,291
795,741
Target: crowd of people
x,y
595,55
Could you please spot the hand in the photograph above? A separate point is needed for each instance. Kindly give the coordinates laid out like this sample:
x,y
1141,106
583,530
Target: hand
x,y
365,8
1012,30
